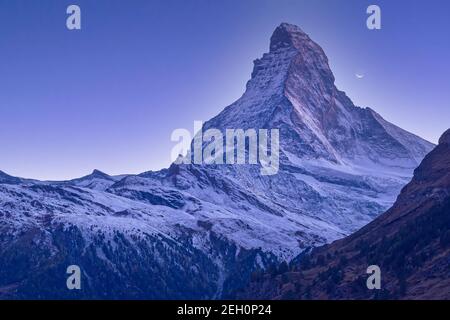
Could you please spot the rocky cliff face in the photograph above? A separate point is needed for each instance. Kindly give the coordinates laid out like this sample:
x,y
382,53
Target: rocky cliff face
x,y
410,243
209,226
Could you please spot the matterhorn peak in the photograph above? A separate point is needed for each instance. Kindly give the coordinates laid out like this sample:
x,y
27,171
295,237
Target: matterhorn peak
x,y
309,61
287,35
445,138
293,56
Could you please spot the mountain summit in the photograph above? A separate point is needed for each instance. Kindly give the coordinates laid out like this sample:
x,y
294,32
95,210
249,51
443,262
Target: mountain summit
x,y
198,231
292,88
309,54
288,35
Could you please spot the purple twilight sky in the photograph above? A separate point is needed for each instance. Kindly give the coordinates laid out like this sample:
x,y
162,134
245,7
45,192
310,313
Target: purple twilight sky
x,y
109,96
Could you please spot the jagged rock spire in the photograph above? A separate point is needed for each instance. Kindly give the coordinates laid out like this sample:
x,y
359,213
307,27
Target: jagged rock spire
x,y
287,35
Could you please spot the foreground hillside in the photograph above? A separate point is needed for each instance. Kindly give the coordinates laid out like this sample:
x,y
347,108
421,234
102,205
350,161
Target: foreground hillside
x,y
410,243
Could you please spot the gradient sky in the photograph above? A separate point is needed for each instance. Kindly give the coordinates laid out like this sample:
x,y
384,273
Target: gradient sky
x,y
110,95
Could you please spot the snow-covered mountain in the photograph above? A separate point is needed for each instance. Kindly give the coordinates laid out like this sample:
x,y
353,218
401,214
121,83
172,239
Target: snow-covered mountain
x,y
198,231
